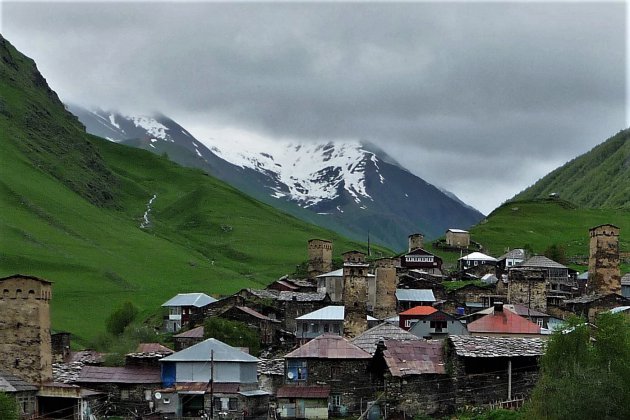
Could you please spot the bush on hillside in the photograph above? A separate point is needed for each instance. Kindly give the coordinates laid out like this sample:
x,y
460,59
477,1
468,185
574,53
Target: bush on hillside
x,y
234,333
121,318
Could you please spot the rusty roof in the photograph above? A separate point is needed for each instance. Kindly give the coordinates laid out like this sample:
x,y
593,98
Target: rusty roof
x,y
155,348
385,331
303,392
217,387
255,314
119,375
419,310
415,357
504,321
328,346
194,333
479,346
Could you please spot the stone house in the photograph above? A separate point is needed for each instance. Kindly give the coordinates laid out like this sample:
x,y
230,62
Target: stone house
x,y
458,238
188,338
589,306
625,285
539,318
492,369
528,286
333,362
413,376
470,298
511,259
414,280
328,320
369,340
438,325
420,259
24,393
210,376
556,275
185,309
266,327
503,323
409,298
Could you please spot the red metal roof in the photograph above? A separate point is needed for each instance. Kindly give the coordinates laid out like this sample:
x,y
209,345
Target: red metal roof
x,y
328,346
504,322
303,392
414,357
119,375
419,310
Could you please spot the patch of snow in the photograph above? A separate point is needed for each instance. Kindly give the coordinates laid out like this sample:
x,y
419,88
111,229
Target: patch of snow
x,y
152,145
112,121
152,126
339,209
145,218
153,140
406,195
198,154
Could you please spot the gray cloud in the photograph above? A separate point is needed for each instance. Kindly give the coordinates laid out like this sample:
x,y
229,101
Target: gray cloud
x,y
514,88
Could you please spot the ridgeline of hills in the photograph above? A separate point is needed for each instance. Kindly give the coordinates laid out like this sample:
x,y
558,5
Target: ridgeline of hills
x,y
350,187
73,205
599,178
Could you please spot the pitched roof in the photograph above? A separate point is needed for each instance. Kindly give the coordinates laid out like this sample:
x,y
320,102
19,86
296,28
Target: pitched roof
x,y
198,300
153,348
335,273
12,383
415,357
303,392
302,296
119,375
504,321
516,308
328,313
479,346
457,230
477,256
255,314
415,295
25,276
540,261
517,253
419,310
625,279
200,352
385,331
196,332
328,346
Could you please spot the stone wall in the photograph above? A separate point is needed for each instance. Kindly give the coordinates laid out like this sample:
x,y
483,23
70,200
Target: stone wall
x,y
528,288
416,240
414,395
384,304
25,341
603,262
355,295
319,257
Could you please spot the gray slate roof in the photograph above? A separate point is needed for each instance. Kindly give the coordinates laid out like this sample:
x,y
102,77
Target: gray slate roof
x,y
11,383
517,253
302,296
480,346
625,279
385,331
415,295
200,352
540,261
198,300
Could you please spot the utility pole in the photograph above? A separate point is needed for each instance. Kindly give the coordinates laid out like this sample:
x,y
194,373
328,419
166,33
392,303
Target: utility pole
x,y
509,379
211,384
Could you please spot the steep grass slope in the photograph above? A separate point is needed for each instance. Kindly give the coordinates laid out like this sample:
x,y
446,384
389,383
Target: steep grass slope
x,y
72,204
599,178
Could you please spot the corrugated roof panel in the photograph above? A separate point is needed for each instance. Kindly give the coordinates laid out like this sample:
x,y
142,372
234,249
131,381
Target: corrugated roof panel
x,y
200,352
415,295
198,300
119,375
303,392
328,346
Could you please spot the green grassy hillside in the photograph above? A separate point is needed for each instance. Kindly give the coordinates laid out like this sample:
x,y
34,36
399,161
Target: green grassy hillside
x,y
537,224
597,179
71,206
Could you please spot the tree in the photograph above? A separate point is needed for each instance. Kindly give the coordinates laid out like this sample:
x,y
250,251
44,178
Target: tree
x,y
585,373
557,253
8,407
121,318
234,333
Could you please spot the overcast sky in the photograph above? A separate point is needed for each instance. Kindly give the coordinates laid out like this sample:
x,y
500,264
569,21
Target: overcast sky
x,y
479,98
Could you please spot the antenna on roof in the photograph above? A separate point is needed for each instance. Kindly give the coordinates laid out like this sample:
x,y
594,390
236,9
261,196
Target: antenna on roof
x,y
369,252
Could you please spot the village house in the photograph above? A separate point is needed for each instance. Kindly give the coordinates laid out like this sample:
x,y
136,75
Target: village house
x,y
420,259
555,274
458,238
328,366
475,259
539,318
625,285
503,323
185,309
589,306
493,369
511,259
438,325
210,376
385,331
24,393
528,286
406,319
286,284
328,320
468,298
188,338
413,376
266,327
332,283
409,298
416,280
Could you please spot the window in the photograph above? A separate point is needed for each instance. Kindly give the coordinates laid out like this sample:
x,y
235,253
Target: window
x,y
438,326
315,327
335,400
233,404
335,372
539,321
304,327
336,328
124,394
296,370
217,403
326,328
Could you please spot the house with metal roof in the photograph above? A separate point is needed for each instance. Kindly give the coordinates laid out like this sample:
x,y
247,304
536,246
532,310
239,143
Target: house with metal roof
x,y
458,238
266,327
437,325
210,376
625,285
183,307
511,258
556,274
327,320
332,283
408,298
475,259
421,259
503,323
333,368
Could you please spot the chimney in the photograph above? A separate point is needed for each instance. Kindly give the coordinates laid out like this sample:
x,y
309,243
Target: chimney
x,y
498,306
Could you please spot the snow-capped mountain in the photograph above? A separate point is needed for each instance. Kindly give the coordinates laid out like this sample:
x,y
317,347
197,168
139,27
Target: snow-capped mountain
x,y
350,187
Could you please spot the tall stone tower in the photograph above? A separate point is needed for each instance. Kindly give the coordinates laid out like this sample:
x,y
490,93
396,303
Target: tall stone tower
x,y
384,305
416,240
355,271
604,276
528,287
319,257
25,346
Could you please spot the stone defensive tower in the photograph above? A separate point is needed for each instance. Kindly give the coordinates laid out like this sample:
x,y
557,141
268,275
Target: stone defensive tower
x,y
528,287
384,305
355,271
319,257
25,344
416,240
604,276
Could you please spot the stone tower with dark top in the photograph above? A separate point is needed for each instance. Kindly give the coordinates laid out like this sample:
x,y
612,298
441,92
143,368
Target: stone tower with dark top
x,y
319,257
604,276
416,240
25,343
355,293
385,299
